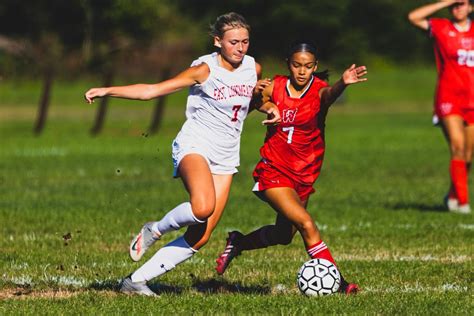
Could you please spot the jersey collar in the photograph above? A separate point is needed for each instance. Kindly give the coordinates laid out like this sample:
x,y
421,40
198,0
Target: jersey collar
x,y
460,29
302,94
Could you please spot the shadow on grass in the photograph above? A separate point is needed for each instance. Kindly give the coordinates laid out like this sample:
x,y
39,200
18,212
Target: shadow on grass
x,y
214,286
402,206
207,286
112,285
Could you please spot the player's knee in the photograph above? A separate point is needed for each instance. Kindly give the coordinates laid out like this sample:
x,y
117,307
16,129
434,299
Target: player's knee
x,y
307,226
202,209
458,149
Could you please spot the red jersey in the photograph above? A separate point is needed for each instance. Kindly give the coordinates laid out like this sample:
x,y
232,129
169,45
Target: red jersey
x,y
454,51
296,146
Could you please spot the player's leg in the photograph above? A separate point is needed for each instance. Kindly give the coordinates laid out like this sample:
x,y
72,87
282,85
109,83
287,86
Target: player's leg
x,y
198,235
281,233
450,199
453,127
469,132
197,178
292,217
287,203
469,146
184,247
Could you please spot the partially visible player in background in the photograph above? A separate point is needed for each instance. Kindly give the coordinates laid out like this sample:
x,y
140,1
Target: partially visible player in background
x,y
206,150
454,100
292,156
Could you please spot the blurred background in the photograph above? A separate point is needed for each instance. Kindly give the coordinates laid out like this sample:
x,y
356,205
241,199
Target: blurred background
x,y
51,51
77,180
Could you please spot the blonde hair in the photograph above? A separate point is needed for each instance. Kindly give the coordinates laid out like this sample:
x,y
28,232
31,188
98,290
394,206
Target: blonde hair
x,y
227,22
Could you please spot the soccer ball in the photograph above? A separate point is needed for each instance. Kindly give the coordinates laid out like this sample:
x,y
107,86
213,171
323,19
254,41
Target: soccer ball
x,y
318,277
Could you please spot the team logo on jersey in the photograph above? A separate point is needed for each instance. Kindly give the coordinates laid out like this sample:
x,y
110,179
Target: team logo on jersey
x,y
289,116
452,34
446,108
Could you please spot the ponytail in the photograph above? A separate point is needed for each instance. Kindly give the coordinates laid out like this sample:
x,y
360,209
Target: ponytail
x,y
323,75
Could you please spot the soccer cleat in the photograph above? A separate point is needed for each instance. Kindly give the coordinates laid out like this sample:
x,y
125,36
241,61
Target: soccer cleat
x,y
450,203
143,241
127,286
462,209
230,252
348,288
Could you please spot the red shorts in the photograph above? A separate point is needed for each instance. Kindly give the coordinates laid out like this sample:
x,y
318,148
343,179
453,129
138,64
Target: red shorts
x,y
267,177
446,109
453,106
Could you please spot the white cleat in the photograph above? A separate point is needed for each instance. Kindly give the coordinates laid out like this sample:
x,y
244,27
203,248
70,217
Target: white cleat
x,y
462,209
127,286
143,241
451,203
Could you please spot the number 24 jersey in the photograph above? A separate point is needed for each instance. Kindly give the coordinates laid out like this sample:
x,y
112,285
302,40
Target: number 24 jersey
x,y
454,51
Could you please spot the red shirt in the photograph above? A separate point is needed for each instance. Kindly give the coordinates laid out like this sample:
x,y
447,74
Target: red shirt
x,y
296,146
454,51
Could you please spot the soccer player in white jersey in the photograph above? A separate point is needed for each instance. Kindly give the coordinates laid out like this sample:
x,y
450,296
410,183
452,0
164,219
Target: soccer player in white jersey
x,y
206,150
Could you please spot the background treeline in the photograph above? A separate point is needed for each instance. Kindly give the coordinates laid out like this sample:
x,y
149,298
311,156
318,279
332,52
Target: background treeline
x,y
76,37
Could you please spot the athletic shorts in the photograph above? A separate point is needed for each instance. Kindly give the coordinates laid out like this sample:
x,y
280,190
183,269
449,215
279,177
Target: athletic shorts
x,y
451,106
267,177
183,146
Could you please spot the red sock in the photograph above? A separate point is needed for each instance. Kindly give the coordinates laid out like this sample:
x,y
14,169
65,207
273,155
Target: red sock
x,y
458,171
320,251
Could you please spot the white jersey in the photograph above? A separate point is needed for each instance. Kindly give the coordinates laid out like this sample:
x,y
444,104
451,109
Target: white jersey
x,y
216,110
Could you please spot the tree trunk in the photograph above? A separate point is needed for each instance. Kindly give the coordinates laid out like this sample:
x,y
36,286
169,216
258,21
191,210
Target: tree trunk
x,y
102,108
158,112
44,101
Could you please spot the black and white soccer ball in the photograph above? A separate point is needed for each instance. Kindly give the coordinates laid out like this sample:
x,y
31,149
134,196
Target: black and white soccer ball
x,y
318,277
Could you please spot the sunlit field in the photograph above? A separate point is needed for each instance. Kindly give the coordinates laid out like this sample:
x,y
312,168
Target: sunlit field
x,y
70,204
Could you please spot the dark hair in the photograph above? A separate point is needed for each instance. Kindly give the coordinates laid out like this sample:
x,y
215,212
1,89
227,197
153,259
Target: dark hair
x,y
227,22
302,47
470,2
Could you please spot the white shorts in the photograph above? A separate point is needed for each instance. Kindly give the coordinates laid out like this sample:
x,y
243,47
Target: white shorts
x,y
184,145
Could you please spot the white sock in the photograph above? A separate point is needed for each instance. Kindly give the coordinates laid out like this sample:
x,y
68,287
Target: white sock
x,y
182,215
164,260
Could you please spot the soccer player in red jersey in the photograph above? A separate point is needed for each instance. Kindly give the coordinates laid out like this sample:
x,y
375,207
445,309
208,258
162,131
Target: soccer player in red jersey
x,y
454,100
292,155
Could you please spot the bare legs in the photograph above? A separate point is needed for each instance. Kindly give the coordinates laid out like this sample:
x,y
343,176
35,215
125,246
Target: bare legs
x,y
460,139
208,196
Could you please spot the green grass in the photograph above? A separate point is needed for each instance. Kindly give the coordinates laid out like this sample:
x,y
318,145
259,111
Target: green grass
x,y
377,203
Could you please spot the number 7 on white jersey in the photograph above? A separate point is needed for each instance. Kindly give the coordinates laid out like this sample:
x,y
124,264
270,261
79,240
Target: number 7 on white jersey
x,y
290,131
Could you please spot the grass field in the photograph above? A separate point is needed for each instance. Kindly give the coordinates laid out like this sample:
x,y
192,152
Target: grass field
x,y
70,204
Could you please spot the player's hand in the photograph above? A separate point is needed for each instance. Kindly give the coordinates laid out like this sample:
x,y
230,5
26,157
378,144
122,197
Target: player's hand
x,y
273,116
93,93
354,74
260,86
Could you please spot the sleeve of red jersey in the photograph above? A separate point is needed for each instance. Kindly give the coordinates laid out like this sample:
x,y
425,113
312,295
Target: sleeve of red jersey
x,y
435,25
320,83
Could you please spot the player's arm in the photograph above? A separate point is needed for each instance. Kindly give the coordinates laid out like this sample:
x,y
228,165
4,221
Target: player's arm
x,y
419,16
261,84
262,102
353,74
193,75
